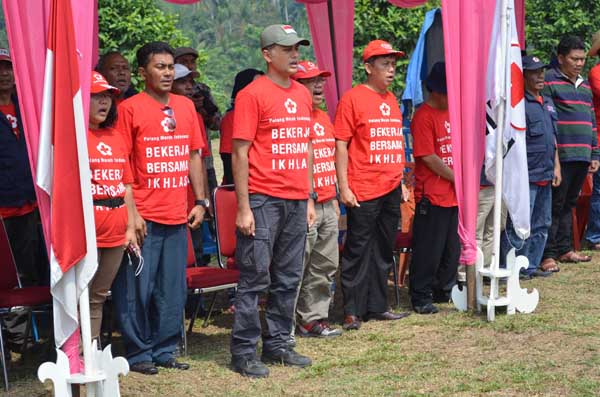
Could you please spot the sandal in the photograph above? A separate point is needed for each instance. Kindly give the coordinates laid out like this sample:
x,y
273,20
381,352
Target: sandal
x,y
574,257
549,265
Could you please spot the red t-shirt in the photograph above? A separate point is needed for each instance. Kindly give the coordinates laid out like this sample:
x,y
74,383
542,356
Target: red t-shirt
x,y
430,129
11,115
277,122
323,145
594,79
371,123
10,212
160,156
226,144
109,166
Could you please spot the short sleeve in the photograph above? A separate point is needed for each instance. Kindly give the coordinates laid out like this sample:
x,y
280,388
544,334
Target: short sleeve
x,y
246,116
344,123
196,141
124,126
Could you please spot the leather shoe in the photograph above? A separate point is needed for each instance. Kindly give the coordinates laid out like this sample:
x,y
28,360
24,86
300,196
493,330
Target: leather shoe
x,y
286,356
428,308
387,316
250,367
351,323
174,364
144,367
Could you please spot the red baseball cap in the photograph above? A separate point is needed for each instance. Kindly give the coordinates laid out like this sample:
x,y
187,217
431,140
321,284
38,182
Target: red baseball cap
x,y
5,55
99,84
380,47
308,70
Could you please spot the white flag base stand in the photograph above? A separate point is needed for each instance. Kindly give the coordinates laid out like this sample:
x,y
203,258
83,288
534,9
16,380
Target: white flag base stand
x,y
102,382
516,298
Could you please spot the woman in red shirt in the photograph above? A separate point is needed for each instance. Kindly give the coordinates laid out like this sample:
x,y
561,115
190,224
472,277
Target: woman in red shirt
x,y
111,190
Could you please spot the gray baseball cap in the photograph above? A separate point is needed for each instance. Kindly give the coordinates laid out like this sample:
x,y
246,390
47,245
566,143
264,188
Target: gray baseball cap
x,y
282,35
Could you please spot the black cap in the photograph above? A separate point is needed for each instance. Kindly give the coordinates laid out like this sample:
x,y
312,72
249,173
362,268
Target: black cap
x,y
436,80
531,62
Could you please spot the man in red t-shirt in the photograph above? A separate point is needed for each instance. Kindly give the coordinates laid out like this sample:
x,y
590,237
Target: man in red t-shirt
x,y
162,134
369,162
321,256
115,68
436,246
272,170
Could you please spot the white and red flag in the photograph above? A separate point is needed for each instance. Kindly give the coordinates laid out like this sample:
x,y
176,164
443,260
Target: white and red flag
x,y
505,84
63,172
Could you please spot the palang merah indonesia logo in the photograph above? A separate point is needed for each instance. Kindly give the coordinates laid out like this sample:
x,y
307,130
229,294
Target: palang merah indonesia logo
x,y
319,129
104,149
290,106
385,109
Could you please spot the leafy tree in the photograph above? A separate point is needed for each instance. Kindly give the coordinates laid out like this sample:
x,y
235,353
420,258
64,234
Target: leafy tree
x,y
547,21
126,25
379,19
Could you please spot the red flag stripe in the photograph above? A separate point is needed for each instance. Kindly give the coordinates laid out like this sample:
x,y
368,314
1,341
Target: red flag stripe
x,y
68,227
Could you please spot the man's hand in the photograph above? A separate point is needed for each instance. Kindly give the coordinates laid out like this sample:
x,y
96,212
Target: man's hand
x,y
140,228
557,179
311,214
244,221
131,237
348,198
196,216
594,165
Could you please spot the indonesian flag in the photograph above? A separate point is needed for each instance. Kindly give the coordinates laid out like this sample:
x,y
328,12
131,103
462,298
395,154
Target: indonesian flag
x,y
63,172
515,189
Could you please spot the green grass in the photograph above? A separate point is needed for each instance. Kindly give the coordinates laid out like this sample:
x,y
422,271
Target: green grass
x,y
553,352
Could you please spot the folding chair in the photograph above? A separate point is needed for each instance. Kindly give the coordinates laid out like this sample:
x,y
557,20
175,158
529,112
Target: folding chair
x,y
14,297
208,279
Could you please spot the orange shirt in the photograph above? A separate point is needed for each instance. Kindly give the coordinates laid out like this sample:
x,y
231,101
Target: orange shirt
x,y
160,156
276,121
11,115
109,166
226,144
323,144
430,129
371,123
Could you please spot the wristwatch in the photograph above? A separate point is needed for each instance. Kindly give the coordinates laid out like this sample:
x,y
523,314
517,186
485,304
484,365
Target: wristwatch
x,y
203,202
313,196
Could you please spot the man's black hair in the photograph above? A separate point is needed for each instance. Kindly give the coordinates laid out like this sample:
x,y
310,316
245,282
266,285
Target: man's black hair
x,y
145,52
101,65
568,44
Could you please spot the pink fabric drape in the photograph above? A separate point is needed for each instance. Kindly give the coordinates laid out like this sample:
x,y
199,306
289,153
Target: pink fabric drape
x,y
408,3
467,29
520,16
27,29
336,59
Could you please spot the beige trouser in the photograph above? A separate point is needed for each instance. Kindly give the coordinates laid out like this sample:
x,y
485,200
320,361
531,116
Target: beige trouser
x,y
109,260
321,259
485,222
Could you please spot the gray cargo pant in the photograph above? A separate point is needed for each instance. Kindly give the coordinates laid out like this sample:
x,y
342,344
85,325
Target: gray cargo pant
x,y
321,259
271,261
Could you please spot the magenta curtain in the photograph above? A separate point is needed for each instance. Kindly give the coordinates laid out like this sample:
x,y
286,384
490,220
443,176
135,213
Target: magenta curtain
x,y
467,29
520,16
27,29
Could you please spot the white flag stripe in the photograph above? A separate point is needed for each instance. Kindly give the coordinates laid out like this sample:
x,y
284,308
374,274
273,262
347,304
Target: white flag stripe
x,y
515,186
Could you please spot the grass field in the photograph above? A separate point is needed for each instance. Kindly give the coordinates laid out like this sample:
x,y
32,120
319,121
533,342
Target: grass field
x,y
553,352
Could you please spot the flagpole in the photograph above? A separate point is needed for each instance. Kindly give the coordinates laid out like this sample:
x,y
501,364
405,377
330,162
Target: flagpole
x,y
504,31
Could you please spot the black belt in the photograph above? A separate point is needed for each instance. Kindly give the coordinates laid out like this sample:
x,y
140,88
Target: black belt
x,y
111,202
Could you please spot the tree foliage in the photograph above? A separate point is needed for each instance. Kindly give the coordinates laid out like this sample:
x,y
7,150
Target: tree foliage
x,y
547,21
126,25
